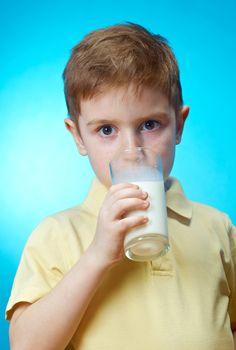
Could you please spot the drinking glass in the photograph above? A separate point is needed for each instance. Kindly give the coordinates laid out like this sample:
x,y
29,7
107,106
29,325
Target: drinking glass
x,y
143,167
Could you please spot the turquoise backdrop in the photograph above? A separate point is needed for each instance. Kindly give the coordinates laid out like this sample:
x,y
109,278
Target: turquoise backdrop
x,y
41,171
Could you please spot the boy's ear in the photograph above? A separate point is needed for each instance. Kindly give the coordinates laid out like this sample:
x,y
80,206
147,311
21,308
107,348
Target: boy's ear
x,y
181,118
73,129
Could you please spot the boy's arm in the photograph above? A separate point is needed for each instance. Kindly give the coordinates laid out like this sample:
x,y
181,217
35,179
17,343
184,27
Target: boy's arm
x,y
51,322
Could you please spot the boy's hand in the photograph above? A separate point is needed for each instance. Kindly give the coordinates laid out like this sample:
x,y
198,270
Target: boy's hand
x,y
113,224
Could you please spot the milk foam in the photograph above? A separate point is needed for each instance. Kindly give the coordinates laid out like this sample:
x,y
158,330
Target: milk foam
x,y
137,174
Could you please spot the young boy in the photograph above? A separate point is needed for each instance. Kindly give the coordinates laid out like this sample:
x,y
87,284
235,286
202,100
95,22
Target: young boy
x,y
74,288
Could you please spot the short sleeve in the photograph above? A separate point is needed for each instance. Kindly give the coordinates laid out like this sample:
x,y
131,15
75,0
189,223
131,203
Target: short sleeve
x,y
232,277
42,266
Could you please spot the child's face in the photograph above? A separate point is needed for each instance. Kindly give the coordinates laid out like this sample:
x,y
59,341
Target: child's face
x,y
120,118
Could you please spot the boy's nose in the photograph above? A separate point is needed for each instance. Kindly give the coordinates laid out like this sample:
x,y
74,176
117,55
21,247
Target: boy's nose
x,y
131,140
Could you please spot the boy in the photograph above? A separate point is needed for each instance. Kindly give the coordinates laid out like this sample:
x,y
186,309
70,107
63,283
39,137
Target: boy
x,y
74,287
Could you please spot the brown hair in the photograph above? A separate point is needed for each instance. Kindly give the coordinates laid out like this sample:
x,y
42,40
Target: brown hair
x,y
116,56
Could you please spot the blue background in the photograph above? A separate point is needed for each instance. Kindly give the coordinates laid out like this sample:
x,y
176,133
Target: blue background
x,y
41,171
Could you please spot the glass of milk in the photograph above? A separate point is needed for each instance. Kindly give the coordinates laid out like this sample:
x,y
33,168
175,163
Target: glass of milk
x,y
143,167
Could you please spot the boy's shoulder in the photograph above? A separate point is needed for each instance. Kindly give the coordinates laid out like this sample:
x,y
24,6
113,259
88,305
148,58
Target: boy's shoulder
x,y
71,229
62,237
209,214
207,209
83,213
62,217
65,223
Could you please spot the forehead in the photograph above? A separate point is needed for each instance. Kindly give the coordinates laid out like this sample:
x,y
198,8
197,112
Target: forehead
x,y
128,101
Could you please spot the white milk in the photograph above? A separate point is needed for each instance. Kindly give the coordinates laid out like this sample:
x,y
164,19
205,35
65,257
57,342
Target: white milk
x,y
156,227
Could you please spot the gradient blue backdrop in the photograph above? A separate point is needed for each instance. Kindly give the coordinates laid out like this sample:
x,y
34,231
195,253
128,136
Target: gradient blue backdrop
x,y
41,171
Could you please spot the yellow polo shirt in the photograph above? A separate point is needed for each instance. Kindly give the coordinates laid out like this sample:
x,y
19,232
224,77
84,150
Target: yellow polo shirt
x,y
185,300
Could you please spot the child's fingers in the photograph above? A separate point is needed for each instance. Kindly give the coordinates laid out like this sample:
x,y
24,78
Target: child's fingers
x,y
129,192
124,206
128,223
120,186
124,190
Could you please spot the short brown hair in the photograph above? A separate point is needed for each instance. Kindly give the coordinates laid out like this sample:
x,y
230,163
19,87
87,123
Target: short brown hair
x,y
116,56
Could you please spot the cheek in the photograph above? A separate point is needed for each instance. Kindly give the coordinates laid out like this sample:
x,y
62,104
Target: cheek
x,y
168,157
167,151
168,162
100,165
164,143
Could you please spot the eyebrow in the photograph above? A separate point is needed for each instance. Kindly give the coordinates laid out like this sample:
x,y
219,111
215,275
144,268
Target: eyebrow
x,y
101,121
140,119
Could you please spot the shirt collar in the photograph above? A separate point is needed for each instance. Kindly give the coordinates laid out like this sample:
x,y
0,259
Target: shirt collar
x,y
175,198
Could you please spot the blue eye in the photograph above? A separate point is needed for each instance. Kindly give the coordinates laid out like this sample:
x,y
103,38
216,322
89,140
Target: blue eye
x,y
106,130
150,125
